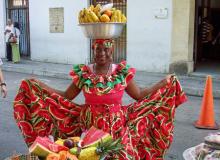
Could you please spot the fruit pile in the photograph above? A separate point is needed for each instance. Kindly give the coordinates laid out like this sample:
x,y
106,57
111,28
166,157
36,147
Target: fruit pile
x,y
98,14
92,145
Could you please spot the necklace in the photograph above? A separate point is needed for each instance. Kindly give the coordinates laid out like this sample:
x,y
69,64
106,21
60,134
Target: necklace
x,y
108,72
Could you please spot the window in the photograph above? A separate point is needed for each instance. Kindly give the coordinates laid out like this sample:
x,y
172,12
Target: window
x,y
17,3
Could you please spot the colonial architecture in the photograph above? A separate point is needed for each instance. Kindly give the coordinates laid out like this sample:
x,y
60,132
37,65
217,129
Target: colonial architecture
x,y
159,36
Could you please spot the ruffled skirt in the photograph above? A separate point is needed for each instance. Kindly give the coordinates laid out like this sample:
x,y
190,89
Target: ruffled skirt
x,y
146,126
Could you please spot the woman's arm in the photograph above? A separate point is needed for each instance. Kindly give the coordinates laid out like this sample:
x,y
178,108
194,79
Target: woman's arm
x,y
70,93
1,76
138,93
3,85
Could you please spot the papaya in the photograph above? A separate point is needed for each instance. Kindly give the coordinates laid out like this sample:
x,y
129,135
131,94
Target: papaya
x,y
53,156
65,155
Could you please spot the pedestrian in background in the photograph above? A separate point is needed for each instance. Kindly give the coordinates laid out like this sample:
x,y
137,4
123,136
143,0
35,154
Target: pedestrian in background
x,y
15,43
2,83
8,33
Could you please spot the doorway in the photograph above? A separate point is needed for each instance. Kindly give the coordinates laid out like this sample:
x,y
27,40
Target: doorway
x,y
207,36
18,11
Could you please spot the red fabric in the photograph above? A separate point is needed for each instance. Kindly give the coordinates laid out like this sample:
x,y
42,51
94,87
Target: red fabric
x,y
100,41
112,98
145,126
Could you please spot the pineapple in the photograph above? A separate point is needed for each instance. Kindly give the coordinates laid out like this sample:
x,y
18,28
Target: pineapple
x,y
103,150
89,154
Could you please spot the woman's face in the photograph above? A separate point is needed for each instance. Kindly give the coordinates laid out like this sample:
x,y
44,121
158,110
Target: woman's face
x,y
102,54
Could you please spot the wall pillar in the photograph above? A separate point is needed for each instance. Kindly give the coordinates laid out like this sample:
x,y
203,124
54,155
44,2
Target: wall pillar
x,y
2,28
182,37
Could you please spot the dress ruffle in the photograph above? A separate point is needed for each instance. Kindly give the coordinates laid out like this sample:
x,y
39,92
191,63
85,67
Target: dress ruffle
x,y
102,84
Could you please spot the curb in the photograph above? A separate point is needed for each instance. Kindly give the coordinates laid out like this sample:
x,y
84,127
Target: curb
x,y
61,75
43,72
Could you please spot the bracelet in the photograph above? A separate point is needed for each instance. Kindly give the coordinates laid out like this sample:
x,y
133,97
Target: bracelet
x,y
3,84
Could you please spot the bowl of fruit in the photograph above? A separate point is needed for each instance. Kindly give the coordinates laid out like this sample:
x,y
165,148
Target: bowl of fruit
x,y
102,22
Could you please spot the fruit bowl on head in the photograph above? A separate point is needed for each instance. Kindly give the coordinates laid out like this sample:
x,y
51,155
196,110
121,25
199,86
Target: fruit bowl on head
x,y
102,30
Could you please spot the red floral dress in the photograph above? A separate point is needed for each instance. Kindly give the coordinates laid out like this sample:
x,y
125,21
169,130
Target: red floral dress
x,y
146,126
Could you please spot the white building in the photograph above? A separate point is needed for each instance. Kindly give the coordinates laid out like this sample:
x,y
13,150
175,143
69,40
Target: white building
x,y
160,33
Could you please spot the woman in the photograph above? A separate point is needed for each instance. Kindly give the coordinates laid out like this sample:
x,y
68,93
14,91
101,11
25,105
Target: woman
x,y
2,82
146,126
7,33
15,43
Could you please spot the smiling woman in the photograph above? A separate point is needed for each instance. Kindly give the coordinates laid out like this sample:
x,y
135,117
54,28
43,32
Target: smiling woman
x,y
42,111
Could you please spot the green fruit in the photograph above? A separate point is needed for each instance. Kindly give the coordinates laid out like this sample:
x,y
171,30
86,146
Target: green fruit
x,y
74,151
89,154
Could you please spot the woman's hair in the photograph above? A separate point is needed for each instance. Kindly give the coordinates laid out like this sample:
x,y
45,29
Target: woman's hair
x,y
16,25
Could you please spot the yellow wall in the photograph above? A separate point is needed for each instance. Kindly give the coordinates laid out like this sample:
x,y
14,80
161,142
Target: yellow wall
x,y
182,35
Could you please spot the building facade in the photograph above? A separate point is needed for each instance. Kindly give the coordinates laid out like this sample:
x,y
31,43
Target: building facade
x,y
160,34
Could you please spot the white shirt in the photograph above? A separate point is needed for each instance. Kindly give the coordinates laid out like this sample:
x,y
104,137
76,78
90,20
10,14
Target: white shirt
x,y
8,33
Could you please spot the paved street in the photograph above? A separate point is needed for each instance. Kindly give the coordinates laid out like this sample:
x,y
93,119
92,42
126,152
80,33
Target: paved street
x,y
185,134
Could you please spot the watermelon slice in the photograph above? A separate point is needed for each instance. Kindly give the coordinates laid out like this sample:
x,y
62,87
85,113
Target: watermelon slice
x,y
42,146
93,136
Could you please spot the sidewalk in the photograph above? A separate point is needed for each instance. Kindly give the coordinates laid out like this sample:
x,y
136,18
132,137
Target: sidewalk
x,y
192,84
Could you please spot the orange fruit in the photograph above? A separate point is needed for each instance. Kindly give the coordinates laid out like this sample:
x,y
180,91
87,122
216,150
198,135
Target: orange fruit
x,y
53,156
108,12
104,18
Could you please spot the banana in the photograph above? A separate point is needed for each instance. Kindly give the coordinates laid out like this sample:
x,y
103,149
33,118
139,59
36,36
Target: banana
x,y
123,18
80,16
113,9
81,13
118,12
98,14
114,16
97,8
85,19
82,19
88,16
91,8
95,18
92,14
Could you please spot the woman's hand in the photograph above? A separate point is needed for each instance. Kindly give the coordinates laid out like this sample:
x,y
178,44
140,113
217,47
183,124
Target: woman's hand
x,y
35,79
4,91
165,81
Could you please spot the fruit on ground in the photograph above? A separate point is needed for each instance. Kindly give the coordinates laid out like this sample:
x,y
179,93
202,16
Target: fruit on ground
x,y
93,136
68,143
53,156
65,155
103,149
74,151
75,140
59,141
89,154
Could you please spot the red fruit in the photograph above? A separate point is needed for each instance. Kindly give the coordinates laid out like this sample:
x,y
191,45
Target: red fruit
x,y
93,136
